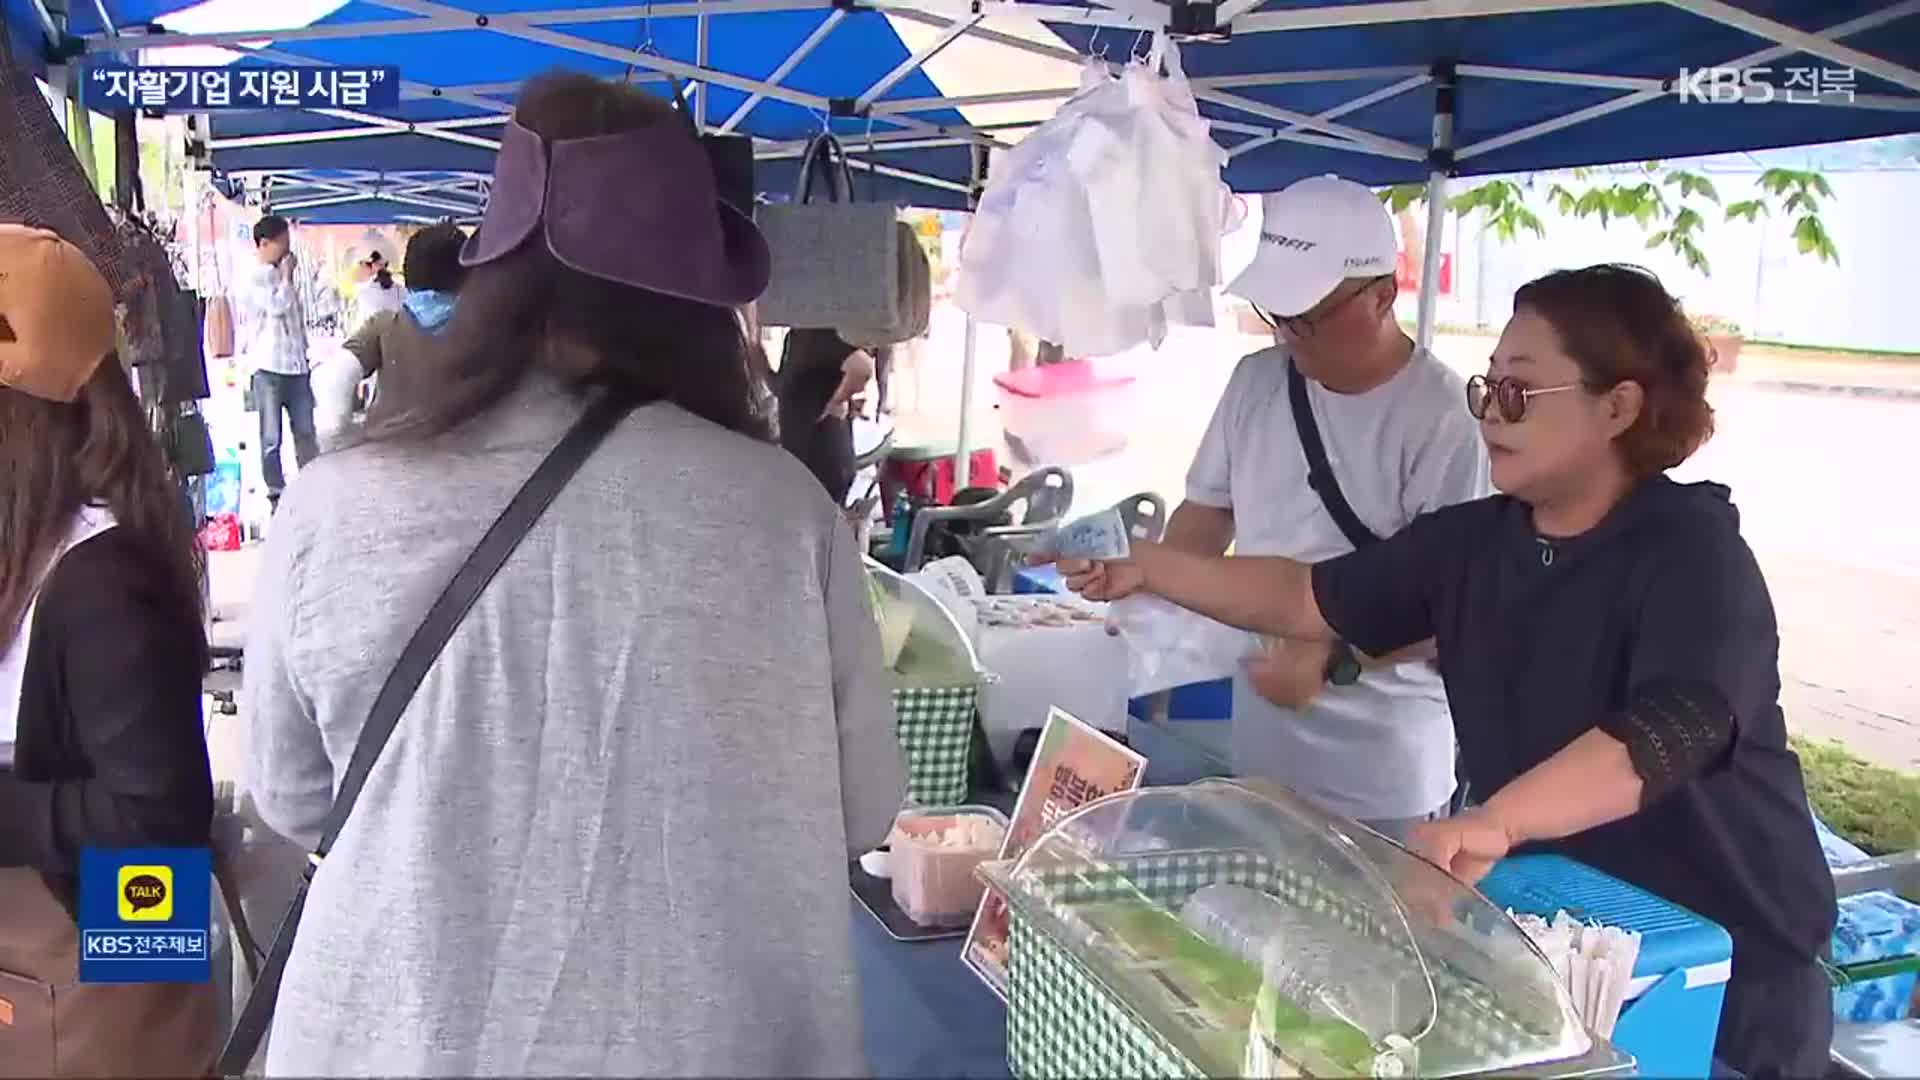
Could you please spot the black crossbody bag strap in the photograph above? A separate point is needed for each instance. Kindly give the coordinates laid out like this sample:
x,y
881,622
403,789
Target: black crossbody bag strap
x,y
415,660
1319,472
1320,477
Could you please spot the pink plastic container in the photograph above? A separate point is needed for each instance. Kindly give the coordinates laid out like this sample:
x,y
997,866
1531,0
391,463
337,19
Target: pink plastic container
x,y
936,885
1065,414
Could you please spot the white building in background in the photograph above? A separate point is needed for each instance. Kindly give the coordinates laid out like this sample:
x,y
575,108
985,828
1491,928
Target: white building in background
x,y
1758,278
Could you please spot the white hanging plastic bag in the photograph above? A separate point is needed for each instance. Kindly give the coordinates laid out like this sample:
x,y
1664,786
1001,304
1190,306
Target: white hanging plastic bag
x,y
1010,247
1169,646
1033,256
1152,174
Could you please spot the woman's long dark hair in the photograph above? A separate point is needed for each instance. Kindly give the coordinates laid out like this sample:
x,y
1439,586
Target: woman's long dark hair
x,y
514,311
56,458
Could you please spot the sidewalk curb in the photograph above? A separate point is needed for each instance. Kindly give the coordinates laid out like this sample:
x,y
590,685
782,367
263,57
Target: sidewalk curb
x,y
1807,386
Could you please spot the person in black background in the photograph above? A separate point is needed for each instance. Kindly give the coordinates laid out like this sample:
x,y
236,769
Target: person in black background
x,y
820,373
1607,642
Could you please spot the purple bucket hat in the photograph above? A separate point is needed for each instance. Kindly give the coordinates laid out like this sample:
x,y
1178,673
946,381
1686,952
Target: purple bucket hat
x,y
637,207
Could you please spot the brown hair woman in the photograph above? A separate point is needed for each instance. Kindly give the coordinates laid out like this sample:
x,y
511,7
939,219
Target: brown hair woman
x,y
102,651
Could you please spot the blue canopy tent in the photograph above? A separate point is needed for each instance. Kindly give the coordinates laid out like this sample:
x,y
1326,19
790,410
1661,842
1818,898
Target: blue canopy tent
x,y
1294,87
1382,91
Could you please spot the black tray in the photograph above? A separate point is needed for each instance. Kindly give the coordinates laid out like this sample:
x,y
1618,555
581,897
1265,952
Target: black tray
x,y
876,895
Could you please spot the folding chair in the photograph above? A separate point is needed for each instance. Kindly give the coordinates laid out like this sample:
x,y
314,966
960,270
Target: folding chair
x,y
1046,494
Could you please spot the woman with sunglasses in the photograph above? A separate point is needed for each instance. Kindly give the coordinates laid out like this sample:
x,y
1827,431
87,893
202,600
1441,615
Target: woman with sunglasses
x,y
1606,639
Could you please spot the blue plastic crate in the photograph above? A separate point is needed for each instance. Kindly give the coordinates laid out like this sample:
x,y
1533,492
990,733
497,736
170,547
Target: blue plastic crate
x,y
1672,1015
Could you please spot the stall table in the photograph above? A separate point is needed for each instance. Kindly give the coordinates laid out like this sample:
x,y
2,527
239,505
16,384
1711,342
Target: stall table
x,y
927,1015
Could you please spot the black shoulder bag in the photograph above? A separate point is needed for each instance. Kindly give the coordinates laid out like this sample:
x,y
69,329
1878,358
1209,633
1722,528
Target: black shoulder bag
x,y
1319,472
415,660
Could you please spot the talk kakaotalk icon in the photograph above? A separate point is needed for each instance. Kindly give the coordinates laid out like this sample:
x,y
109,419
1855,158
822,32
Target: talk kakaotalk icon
x,y
146,893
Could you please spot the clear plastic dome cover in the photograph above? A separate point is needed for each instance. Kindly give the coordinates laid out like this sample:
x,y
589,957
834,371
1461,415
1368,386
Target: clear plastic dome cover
x,y
921,642
1262,937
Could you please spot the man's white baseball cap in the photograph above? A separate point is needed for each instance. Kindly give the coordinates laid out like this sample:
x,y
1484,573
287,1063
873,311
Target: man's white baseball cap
x,y
1314,235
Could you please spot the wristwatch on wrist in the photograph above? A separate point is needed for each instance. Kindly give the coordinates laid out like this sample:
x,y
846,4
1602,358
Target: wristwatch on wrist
x,y
1343,667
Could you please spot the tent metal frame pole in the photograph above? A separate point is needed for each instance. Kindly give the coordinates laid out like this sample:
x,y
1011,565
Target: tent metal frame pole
x,y
1061,53
970,355
1210,82
1379,144
1413,82
49,23
793,60
1104,18
369,189
378,196
1398,11
1290,78
521,28
516,27
461,20
311,204
700,58
770,149
430,129
1392,148
913,63
786,152
441,129
1445,103
907,174
1005,97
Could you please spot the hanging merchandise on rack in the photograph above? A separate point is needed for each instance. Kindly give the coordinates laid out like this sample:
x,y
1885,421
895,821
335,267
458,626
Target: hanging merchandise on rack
x,y
1103,225
41,181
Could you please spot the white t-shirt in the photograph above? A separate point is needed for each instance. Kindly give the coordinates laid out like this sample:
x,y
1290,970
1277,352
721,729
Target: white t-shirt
x,y
336,379
372,300
1382,748
90,522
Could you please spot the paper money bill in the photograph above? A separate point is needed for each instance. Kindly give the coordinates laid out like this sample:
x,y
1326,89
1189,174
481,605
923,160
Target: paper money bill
x,y
1097,536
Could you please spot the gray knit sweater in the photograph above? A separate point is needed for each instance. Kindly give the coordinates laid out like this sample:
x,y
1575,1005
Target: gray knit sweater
x,y
609,835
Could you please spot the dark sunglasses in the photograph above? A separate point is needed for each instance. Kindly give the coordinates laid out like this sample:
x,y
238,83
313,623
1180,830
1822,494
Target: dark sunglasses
x,y
1510,395
1304,326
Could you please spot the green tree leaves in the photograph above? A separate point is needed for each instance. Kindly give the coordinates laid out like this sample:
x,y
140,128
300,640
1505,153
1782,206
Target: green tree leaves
x,y
1672,205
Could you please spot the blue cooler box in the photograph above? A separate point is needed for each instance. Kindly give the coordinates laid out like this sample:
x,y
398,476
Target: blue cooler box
x,y
1672,1014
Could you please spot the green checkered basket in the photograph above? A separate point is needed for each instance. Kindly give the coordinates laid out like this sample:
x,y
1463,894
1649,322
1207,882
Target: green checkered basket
x,y
935,724
1065,1021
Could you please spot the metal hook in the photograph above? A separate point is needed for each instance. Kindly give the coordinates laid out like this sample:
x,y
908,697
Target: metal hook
x,y
645,47
1134,53
1095,48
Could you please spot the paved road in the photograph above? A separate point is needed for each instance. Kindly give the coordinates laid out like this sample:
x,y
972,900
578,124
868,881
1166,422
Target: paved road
x,y
1820,475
